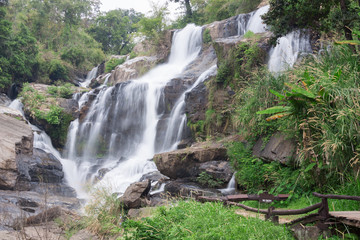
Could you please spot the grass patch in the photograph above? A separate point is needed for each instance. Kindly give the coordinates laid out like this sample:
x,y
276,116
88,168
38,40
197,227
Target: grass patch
x,y
193,220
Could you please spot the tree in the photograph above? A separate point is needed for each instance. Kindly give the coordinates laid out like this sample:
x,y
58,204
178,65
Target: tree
x,y
114,29
285,16
187,7
5,33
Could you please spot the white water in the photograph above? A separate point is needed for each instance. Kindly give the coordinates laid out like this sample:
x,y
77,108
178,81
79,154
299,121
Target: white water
x,y
288,50
252,21
178,116
90,76
231,187
118,133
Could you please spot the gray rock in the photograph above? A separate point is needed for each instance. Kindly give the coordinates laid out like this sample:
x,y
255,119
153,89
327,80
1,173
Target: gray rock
x,y
278,148
153,176
4,99
16,138
219,170
135,195
186,162
187,188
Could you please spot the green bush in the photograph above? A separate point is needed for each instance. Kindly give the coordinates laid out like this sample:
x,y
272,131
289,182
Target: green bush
x,y
57,71
209,181
193,220
74,55
112,63
63,91
206,36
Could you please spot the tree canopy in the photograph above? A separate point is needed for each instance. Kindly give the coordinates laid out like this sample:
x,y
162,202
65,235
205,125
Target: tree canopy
x,y
114,29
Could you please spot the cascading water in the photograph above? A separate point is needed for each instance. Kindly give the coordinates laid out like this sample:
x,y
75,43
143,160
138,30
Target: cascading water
x,y
177,118
252,21
288,50
117,136
90,76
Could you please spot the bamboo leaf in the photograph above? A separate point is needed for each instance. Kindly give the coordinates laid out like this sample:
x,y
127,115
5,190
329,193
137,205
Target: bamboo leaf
x,y
276,109
311,166
296,89
279,95
350,42
278,116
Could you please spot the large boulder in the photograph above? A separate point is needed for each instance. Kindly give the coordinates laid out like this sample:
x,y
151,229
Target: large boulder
x,y
278,148
136,194
132,69
186,162
16,138
219,170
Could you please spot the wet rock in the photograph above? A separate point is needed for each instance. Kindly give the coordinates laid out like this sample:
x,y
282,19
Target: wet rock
x,y
4,99
131,69
161,51
41,167
153,176
219,170
278,148
16,138
306,232
136,194
196,103
15,205
138,214
223,29
187,188
186,162
70,106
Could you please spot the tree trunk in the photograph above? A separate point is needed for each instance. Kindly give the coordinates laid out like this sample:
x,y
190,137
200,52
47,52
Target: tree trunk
x,y
188,8
347,31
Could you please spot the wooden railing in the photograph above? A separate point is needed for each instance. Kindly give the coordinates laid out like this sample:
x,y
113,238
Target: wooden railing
x,y
271,214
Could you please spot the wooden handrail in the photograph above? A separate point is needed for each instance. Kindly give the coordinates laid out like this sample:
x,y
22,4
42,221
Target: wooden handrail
x,y
277,212
334,196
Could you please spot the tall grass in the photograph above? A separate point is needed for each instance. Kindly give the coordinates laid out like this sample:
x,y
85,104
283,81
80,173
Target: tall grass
x,y
193,220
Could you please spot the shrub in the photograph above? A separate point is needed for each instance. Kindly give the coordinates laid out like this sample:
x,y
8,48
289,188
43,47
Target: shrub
x,y
112,63
74,55
57,71
206,36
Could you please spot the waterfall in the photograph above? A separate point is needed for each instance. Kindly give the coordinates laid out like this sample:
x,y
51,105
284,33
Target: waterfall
x,y
251,21
255,23
231,187
288,50
177,120
90,76
117,136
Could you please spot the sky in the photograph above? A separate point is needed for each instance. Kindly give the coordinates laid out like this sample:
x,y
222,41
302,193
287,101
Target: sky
x,y
143,6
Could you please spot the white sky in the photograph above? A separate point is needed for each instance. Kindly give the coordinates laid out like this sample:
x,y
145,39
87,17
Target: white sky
x,y
143,6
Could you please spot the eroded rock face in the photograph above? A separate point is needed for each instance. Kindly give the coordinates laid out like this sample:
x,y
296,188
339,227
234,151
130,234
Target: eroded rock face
x,y
135,195
278,148
186,162
186,188
219,170
132,69
16,138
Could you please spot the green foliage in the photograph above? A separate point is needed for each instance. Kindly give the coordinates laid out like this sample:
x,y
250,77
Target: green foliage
x,y
193,220
239,63
206,36
114,29
74,55
152,27
324,115
63,91
214,10
254,175
57,71
209,181
112,63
